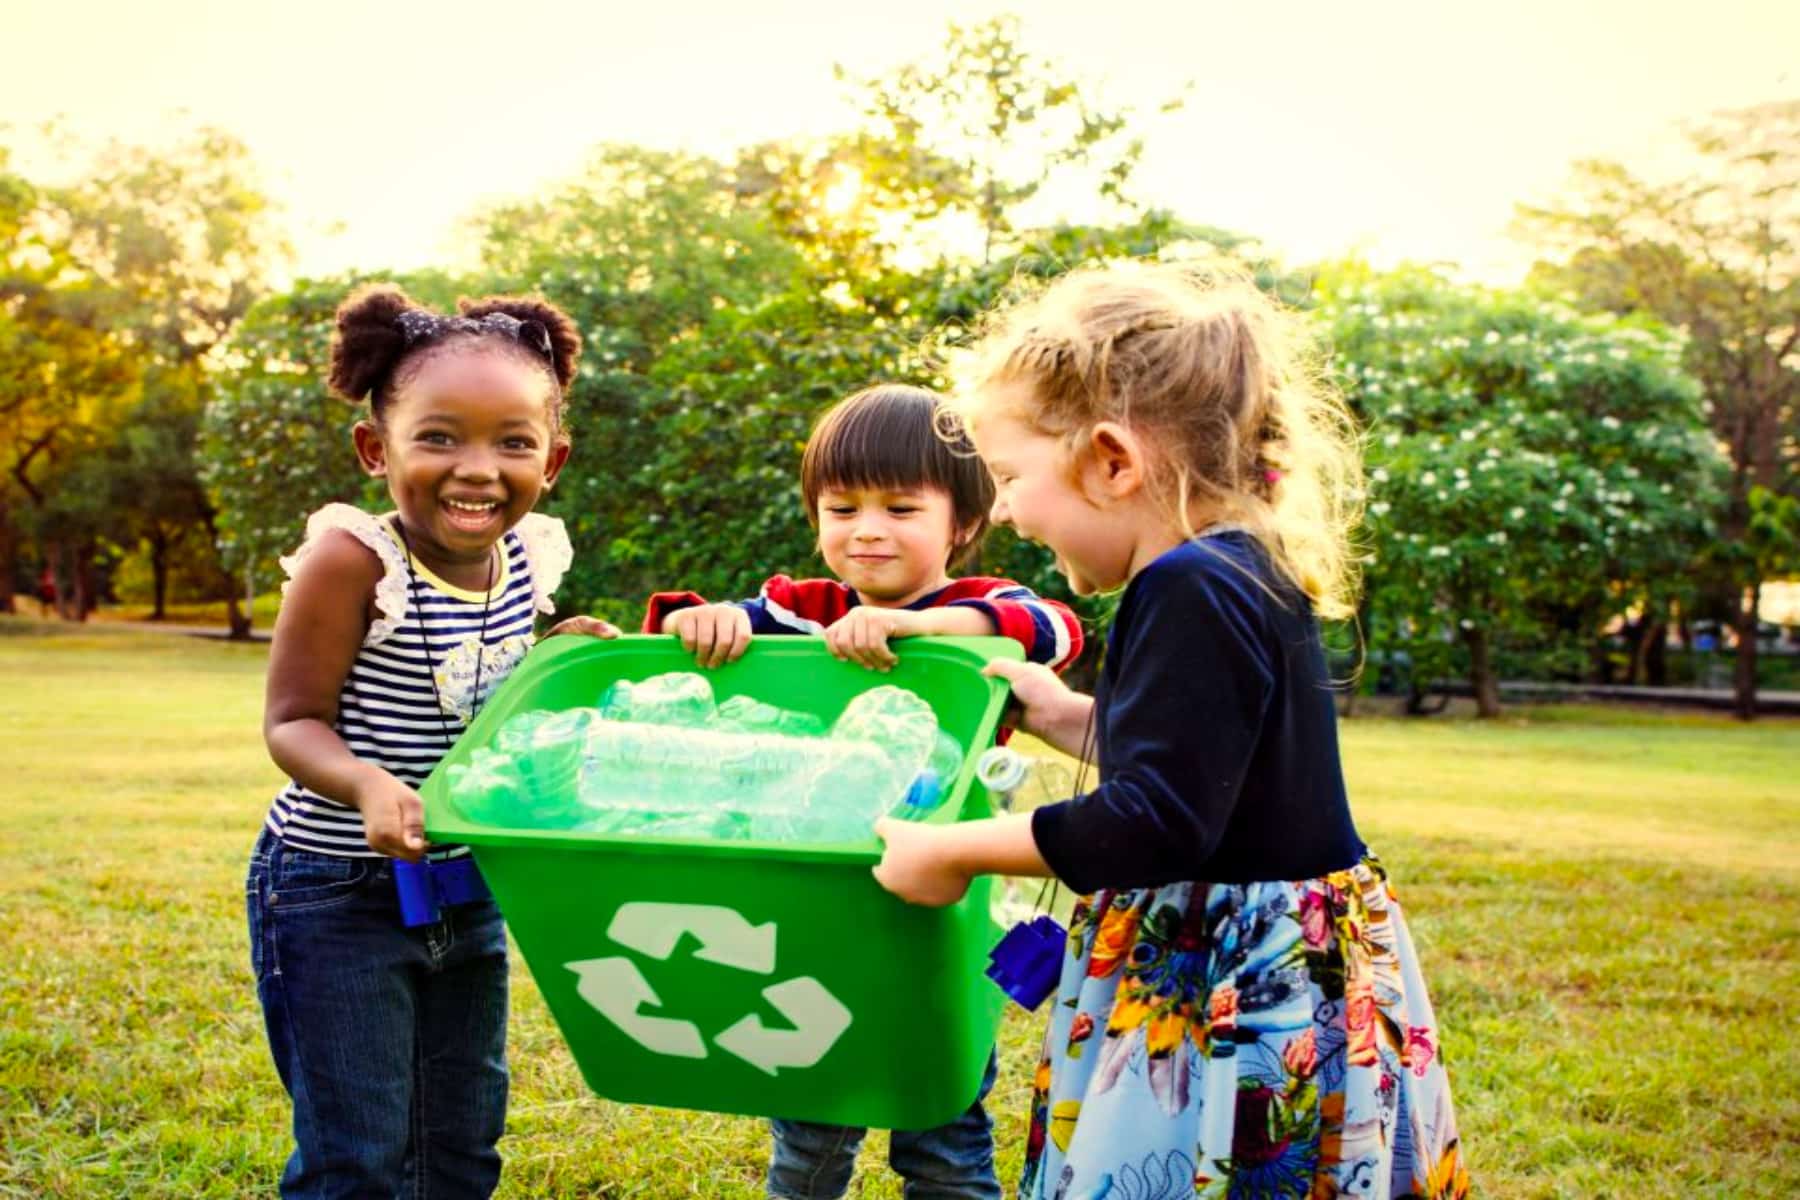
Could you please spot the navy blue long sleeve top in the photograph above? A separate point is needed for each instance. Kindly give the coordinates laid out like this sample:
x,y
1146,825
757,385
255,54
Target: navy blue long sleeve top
x,y
1216,734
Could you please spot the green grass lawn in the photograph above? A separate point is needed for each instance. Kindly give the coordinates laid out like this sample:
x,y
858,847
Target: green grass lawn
x,y
1608,906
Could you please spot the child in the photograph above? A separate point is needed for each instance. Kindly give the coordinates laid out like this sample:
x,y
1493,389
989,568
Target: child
x,y
897,509
1240,1011
393,630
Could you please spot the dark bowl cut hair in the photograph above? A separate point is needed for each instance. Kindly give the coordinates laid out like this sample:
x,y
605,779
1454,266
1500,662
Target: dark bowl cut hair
x,y
887,436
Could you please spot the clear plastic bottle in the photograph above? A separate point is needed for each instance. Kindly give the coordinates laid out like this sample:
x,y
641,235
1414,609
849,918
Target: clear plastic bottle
x,y
746,714
676,698
487,788
901,729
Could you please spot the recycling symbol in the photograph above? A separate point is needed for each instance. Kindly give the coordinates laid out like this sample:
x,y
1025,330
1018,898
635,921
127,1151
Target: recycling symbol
x,y
620,993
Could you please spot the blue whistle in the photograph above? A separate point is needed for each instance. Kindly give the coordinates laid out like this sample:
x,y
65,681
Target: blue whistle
x,y
426,887
1028,961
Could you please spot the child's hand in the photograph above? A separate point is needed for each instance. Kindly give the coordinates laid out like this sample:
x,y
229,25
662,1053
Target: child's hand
x,y
714,634
916,864
393,816
591,626
1051,709
862,634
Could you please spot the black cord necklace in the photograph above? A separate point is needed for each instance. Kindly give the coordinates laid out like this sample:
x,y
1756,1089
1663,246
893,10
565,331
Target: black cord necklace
x,y
487,600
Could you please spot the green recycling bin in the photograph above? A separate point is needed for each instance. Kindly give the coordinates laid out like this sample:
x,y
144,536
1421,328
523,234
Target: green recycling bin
x,y
750,977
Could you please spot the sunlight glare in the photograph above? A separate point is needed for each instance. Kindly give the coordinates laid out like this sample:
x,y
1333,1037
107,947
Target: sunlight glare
x,y
842,192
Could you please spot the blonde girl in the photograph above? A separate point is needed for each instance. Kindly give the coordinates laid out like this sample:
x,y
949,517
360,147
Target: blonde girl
x,y
1240,1011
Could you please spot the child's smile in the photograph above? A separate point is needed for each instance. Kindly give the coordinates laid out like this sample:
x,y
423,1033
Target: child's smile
x,y
472,515
1048,498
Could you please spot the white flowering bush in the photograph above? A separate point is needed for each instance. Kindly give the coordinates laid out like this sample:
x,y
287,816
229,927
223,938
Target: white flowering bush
x,y
1529,468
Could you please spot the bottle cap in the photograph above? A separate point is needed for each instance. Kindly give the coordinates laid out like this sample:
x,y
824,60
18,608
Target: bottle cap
x,y
923,793
1001,770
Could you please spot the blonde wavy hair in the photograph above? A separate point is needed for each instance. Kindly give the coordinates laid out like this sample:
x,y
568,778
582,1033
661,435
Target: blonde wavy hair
x,y
1224,385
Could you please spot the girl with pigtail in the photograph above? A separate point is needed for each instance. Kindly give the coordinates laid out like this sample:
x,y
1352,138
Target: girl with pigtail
x,y
1241,1011
394,628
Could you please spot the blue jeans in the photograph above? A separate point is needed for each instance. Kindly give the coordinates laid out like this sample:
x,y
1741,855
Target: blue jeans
x,y
952,1162
390,1041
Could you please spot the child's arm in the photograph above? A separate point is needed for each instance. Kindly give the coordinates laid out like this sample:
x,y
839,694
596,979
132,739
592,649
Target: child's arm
x,y
862,634
933,864
1190,690
714,634
1047,629
324,616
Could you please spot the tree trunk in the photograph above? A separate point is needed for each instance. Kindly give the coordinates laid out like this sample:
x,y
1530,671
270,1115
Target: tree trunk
x,y
159,572
1656,656
57,555
1744,684
1600,660
9,558
86,589
1481,672
239,614
1654,651
1634,639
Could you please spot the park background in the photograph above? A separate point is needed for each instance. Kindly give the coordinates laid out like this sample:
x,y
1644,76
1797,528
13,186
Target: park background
x,y
1552,253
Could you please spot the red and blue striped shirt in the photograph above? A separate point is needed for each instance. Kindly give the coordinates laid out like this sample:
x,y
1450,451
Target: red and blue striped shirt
x,y
1047,629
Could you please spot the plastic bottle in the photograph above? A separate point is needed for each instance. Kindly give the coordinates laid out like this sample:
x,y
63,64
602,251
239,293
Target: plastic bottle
x,y
487,788
866,785
745,714
675,698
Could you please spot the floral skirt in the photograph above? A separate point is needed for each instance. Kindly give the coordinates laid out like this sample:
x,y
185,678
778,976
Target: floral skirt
x,y
1243,1040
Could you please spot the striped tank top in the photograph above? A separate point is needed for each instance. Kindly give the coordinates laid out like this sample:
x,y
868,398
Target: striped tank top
x,y
426,630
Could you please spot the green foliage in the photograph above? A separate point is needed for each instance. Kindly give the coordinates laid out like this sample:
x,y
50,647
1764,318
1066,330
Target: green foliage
x,y
1524,460
182,236
1714,252
658,259
980,127
1773,533
732,412
118,288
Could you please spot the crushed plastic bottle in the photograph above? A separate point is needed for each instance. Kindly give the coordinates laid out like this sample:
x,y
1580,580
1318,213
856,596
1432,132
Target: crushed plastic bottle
x,y
487,788
677,698
515,736
900,730
945,764
749,715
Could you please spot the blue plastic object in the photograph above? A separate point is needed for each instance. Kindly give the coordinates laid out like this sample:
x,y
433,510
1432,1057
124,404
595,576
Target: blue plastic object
x,y
1028,961
922,796
426,887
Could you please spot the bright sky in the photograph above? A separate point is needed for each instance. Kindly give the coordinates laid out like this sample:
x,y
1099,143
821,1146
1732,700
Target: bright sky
x,y
1399,128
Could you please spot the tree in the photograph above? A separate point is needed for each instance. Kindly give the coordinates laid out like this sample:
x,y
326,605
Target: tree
x,y
1522,458
652,254
153,478
982,127
66,379
120,287
1716,254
